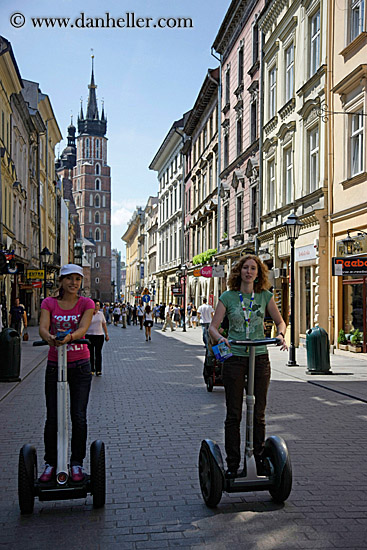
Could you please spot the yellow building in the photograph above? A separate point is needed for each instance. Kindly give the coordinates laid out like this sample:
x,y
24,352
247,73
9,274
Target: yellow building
x,y
346,117
134,257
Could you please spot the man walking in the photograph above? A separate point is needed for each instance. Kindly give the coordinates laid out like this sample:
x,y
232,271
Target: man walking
x,y
168,319
205,314
18,317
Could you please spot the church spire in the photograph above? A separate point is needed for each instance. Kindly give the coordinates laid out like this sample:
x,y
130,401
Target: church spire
x,y
92,110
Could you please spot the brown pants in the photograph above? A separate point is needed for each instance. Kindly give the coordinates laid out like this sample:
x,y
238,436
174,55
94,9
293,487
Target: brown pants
x,y
235,372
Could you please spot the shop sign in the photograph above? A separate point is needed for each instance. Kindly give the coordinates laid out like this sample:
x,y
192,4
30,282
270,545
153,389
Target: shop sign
x,y
196,273
218,271
37,284
350,265
211,300
206,271
305,253
35,273
25,287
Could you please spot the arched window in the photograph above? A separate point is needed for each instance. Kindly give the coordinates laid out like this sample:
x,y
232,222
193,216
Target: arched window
x,y
98,234
97,201
87,148
98,169
98,184
97,280
96,265
96,217
91,200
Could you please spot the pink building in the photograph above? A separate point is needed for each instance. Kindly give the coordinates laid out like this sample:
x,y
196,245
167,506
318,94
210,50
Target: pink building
x,y
237,43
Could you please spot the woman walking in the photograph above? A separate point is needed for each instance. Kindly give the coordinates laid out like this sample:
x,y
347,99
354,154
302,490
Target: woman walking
x,y
140,312
67,312
97,334
194,316
148,322
176,315
245,305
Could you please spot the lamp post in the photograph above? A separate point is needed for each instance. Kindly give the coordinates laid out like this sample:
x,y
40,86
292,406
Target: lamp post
x,y
182,272
348,244
293,227
45,256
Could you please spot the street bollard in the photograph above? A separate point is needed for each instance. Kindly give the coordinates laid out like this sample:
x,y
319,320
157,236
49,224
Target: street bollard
x,y
10,355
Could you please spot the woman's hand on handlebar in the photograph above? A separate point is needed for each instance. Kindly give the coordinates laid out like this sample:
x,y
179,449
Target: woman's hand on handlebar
x,y
66,340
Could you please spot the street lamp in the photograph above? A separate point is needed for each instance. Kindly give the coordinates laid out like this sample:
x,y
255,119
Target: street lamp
x,y
45,256
348,244
293,227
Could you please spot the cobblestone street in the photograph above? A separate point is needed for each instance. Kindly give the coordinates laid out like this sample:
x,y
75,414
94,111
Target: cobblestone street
x,y
152,410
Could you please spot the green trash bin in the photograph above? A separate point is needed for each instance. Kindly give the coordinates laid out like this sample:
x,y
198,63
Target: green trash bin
x,y
10,355
318,354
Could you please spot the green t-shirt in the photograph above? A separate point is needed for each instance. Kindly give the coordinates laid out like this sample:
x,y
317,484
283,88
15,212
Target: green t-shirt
x,y
237,330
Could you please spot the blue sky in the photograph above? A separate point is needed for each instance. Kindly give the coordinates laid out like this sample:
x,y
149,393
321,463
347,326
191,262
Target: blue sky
x,y
147,77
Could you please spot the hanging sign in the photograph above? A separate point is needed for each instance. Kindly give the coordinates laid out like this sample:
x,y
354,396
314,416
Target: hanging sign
x,y
218,271
35,273
37,284
196,273
206,271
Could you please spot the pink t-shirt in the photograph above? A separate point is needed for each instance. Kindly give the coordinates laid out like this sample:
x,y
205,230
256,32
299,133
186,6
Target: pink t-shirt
x,y
64,319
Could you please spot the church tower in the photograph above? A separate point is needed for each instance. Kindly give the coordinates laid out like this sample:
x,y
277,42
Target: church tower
x,y
92,193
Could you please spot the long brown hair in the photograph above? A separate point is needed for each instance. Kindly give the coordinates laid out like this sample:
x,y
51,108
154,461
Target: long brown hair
x,y
234,279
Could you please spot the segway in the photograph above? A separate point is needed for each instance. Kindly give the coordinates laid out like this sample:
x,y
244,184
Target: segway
x,y
63,487
278,480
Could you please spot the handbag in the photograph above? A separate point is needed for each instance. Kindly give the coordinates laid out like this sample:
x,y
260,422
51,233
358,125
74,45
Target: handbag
x,y
25,336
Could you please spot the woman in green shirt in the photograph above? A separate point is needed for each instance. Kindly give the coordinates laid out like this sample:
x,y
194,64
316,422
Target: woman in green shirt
x,y
245,303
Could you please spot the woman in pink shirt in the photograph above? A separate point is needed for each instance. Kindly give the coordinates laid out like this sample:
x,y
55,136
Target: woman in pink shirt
x,y
67,311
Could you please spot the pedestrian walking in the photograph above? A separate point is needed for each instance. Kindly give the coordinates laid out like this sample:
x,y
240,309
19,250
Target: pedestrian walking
x,y
97,333
245,305
129,313
148,322
106,312
116,314
123,315
168,318
135,315
182,315
162,312
176,315
140,314
194,316
205,314
18,317
189,310
156,311
67,311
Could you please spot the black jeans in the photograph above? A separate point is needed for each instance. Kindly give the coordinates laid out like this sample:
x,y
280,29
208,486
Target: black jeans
x,y
235,372
95,350
79,379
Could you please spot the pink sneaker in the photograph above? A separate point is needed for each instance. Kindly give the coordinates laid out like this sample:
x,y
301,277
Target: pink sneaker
x,y
77,473
48,474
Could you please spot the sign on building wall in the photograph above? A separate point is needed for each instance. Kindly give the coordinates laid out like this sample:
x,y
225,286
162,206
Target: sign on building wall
x,y
305,253
351,265
35,273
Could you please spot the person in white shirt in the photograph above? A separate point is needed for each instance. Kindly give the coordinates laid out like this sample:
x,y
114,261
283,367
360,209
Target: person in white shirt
x,y
168,319
97,328
205,314
116,315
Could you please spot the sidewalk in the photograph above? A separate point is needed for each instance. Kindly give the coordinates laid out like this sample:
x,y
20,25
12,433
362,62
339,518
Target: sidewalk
x,y
31,358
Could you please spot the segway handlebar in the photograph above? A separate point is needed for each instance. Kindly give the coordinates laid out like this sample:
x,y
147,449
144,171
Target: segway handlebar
x,y
79,341
259,342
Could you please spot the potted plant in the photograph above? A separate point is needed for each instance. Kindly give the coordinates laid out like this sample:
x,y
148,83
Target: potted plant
x,y
356,342
342,341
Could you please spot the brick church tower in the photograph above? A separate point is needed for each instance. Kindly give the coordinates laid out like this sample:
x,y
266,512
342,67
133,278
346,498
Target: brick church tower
x,y
92,193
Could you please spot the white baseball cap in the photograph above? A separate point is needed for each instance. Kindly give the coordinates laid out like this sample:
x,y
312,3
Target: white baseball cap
x,y
68,269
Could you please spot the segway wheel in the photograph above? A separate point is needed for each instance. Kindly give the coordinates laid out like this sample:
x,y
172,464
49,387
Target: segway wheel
x,y
98,473
209,384
211,482
281,493
27,475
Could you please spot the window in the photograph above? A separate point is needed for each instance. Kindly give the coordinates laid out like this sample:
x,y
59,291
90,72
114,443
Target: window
x,y
96,218
240,65
289,72
227,86
98,169
96,265
98,185
225,221
314,159
239,214
253,122
87,148
288,175
271,179
97,201
315,43
356,18
210,177
98,149
272,92
204,183
97,234
255,43
226,151
97,280
356,143
239,136
211,126
210,233
254,206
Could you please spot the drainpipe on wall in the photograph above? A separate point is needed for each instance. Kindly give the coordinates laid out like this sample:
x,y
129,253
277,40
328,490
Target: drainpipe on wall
x,y
219,146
